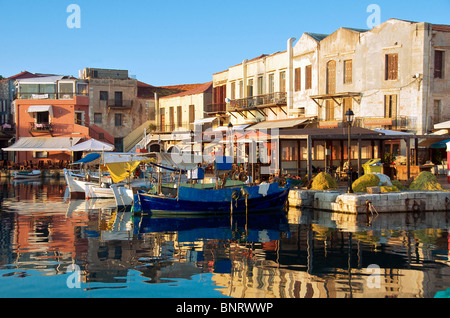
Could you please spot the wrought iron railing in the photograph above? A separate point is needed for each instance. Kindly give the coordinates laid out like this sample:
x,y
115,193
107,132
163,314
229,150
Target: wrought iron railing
x,y
124,103
41,127
400,123
216,108
255,101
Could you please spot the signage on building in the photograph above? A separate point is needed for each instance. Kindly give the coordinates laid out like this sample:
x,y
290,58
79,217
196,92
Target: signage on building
x,y
378,121
329,124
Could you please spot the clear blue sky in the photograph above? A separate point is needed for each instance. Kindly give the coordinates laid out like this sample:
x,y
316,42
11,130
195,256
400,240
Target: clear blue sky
x,y
178,41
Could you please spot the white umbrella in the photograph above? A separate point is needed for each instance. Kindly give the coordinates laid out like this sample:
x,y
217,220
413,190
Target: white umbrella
x,y
92,145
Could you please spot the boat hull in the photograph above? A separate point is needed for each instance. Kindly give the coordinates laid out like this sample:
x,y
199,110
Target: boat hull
x,y
124,196
155,204
95,191
77,188
26,175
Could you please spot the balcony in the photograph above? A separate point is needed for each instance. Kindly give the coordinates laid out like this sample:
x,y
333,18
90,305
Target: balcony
x,y
399,123
216,108
168,128
249,103
119,104
49,95
40,128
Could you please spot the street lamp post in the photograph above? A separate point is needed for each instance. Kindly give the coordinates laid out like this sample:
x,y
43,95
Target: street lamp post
x,y
230,132
192,144
349,118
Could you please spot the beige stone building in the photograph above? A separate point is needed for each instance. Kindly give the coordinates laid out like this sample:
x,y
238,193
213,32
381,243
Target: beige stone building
x,y
394,76
179,113
254,90
115,110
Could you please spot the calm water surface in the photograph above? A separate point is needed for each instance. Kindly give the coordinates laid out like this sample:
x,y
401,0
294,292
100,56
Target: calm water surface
x,y
52,247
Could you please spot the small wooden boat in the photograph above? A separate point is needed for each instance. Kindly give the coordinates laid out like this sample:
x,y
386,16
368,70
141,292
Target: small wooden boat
x,y
241,199
26,175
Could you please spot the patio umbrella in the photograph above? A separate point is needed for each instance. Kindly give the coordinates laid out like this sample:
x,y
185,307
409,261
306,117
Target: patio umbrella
x,y
92,145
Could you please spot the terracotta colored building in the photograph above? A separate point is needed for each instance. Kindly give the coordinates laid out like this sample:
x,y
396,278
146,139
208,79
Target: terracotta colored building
x,y
51,115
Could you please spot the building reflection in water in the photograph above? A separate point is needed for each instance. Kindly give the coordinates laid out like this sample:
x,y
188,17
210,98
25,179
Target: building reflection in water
x,y
306,254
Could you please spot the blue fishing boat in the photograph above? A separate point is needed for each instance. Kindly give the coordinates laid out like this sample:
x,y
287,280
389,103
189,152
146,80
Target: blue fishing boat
x,y
242,199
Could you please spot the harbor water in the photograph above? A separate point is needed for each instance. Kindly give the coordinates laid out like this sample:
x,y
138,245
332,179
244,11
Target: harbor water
x,y
54,247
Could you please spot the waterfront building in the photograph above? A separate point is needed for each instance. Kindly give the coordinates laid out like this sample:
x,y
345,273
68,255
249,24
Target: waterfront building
x,y
8,93
394,78
115,107
51,115
180,113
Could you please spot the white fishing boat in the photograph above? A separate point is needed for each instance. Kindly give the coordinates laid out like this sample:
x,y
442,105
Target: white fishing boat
x,y
124,193
26,175
98,191
76,184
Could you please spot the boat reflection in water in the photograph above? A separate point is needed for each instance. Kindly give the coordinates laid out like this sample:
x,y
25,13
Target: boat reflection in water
x,y
255,228
300,254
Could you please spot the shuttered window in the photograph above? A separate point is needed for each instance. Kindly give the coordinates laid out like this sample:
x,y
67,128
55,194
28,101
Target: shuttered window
x,y
298,79
283,81
308,79
390,106
179,115
439,64
191,113
348,71
391,71
329,110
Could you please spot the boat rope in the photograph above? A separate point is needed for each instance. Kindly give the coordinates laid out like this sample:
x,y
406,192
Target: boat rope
x,y
167,168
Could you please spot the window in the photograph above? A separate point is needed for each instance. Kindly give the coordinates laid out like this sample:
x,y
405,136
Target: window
x,y
437,112
439,64
348,71
241,89
391,67
298,79
40,154
179,116
329,110
348,104
79,118
289,151
271,83
42,118
118,143
331,77
82,89
319,150
98,118
283,81
118,120
250,88
162,119
172,118
233,90
308,79
260,85
191,113
65,90
390,106
103,95
118,99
